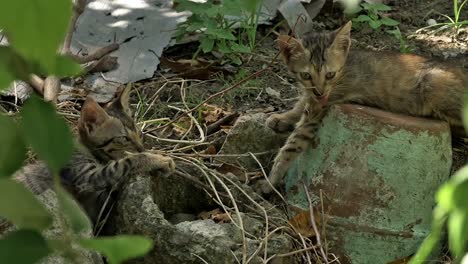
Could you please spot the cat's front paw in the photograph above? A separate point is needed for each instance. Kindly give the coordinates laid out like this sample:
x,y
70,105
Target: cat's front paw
x,y
162,164
279,123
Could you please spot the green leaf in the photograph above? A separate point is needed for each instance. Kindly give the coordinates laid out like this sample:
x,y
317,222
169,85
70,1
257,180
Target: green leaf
x,y
240,48
207,44
431,241
65,66
213,11
458,232
13,149
194,27
465,111
389,22
118,249
23,247
234,8
235,59
375,24
195,8
47,133
7,76
77,218
444,196
220,33
362,18
376,7
36,28
21,207
12,67
223,48
251,6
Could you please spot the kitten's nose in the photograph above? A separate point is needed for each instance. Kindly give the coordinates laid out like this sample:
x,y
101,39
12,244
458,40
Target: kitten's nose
x,y
317,92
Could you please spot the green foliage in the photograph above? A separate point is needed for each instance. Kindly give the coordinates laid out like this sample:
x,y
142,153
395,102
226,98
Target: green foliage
x,y
50,139
39,32
35,39
72,211
13,150
454,22
374,17
13,66
404,46
23,247
215,22
120,248
21,207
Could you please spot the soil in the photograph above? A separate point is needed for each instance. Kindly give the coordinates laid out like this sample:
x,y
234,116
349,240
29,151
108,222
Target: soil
x,y
413,15
258,94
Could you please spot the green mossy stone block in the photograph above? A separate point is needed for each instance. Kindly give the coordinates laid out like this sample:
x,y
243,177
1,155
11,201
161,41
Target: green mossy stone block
x,y
377,173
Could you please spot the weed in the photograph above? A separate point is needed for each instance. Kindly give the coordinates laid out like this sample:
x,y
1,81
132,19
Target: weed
x,y
245,91
404,46
374,17
216,23
453,22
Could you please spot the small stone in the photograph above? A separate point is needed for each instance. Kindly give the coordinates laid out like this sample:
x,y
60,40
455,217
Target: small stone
x,y
431,22
272,92
250,134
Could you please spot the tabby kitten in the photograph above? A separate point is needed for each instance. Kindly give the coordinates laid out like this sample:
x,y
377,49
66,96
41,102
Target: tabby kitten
x,y
330,73
110,149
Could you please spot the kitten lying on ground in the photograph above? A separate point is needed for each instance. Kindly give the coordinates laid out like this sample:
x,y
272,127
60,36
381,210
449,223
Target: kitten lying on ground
x,y
330,73
109,150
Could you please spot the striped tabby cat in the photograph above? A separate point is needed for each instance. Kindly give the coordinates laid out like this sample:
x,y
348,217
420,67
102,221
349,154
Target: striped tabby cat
x,y
110,149
329,73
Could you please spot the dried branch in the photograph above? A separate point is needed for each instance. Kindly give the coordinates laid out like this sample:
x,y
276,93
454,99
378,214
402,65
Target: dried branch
x,y
314,225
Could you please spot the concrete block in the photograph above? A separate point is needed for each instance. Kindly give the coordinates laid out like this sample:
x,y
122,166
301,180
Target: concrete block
x,y
378,173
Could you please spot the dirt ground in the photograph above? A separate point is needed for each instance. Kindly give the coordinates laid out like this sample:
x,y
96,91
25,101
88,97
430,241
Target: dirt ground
x,y
413,15
274,89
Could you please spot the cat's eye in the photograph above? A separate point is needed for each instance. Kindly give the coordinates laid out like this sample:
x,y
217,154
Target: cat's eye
x,y
305,76
330,75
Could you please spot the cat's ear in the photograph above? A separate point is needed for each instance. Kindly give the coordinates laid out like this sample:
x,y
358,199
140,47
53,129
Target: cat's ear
x,y
342,40
92,116
290,48
122,101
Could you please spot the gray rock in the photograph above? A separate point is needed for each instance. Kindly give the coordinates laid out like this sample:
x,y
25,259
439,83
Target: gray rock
x,y
139,211
250,134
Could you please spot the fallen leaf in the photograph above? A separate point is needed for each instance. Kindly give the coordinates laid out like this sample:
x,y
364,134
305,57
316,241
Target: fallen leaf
x,y
404,260
302,225
222,218
205,215
229,168
212,113
211,150
216,215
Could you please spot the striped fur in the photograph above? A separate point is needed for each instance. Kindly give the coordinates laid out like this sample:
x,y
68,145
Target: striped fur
x,y
110,149
329,73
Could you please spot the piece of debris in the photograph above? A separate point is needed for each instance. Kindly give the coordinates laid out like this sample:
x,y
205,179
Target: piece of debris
x,y
142,28
272,92
302,225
